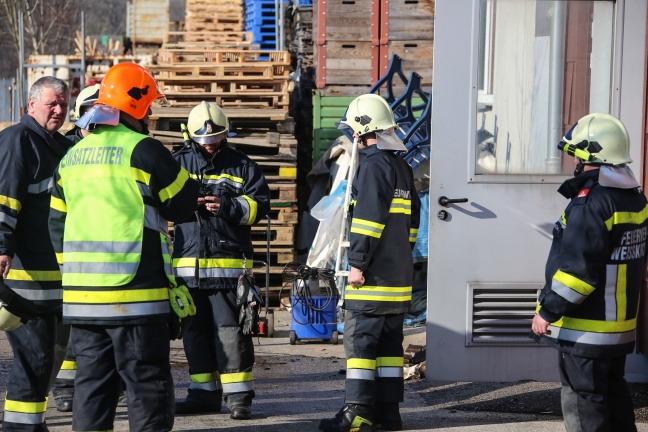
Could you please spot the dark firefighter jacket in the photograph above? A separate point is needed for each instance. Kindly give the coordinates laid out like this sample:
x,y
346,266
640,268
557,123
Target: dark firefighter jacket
x,y
28,157
114,192
74,134
385,216
595,269
215,247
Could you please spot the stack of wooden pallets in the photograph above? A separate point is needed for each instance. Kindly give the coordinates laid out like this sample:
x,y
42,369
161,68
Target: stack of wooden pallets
x,y
253,87
300,35
214,15
229,77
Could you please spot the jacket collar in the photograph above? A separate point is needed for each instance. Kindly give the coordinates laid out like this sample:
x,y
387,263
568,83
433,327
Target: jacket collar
x,y
57,143
570,188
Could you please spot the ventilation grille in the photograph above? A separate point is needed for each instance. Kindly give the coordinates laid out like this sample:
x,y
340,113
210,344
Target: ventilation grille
x,y
501,314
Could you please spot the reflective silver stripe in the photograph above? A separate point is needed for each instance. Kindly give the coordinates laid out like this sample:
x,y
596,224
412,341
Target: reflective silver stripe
x,y
24,418
238,387
153,220
66,374
8,220
245,206
611,278
39,294
102,246
358,224
389,372
567,293
361,374
43,186
395,206
100,267
591,337
208,273
208,386
120,310
223,180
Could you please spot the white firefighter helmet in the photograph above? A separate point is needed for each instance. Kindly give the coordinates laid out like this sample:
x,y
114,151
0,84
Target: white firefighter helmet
x,y
87,97
8,321
207,123
368,113
598,139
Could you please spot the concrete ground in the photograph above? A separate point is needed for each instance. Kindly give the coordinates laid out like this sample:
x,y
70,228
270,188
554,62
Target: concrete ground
x,y
297,385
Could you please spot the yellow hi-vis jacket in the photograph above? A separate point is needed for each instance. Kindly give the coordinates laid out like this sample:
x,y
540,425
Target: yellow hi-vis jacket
x,y
106,220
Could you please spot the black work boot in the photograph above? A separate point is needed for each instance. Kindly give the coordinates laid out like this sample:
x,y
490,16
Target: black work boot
x,y
64,404
200,402
351,418
387,417
240,412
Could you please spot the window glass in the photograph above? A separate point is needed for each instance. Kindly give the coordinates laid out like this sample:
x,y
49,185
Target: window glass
x,y
541,66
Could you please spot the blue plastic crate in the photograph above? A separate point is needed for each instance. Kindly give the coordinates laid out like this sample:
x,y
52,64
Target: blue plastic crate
x,y
261,20
313,318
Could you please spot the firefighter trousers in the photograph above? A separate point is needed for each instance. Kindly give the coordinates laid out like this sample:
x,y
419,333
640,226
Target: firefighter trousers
x,y
220,356
63,387
32,368
595,395
374,350
139,354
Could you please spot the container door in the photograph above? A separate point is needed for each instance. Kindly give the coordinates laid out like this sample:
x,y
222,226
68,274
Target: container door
x,y
509,77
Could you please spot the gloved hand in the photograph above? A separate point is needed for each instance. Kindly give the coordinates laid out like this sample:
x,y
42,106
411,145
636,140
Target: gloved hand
x,y
250,318
181,302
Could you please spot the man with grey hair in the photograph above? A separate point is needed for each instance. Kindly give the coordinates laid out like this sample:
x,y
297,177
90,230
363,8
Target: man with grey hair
x,y
29,152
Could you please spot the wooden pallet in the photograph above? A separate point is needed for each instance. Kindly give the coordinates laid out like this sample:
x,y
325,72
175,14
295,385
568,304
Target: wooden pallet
x,y
279,236
178,37
172,56
210,70
239,98
214,25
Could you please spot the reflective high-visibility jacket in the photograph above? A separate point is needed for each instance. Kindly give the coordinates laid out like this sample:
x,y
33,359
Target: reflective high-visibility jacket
x,y
114,192
385,217
595,269
209,249
28,157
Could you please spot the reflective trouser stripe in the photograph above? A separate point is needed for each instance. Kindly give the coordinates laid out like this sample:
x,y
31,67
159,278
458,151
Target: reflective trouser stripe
x,y
67,371
32,413
206,381
237,382
361,369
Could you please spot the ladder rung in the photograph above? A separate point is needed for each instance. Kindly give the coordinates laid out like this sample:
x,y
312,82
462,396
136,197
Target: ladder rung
x,y
341,273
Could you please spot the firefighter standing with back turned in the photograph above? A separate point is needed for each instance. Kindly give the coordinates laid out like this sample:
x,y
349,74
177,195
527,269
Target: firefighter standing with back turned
x,y
211,250
384,223
114,192
63,389
29,153
588,307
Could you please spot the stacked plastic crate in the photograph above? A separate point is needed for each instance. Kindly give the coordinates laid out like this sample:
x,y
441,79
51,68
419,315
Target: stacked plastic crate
x,y
261,20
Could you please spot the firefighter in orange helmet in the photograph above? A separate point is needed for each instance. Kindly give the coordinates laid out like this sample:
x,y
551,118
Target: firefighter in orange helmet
x,y
114,192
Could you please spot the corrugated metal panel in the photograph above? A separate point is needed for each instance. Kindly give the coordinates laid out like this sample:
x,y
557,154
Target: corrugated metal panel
x,y
148,21
501,314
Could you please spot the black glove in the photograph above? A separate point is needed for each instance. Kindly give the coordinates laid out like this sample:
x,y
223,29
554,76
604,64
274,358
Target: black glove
x,y
249,301
24,309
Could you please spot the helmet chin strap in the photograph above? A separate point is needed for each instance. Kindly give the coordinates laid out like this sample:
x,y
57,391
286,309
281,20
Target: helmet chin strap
x,y
580,166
